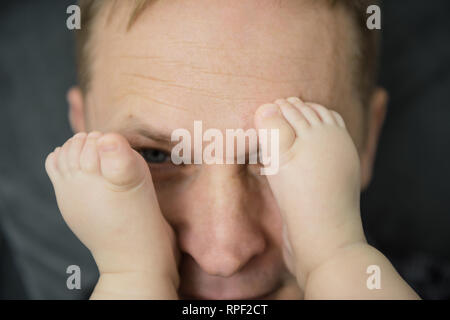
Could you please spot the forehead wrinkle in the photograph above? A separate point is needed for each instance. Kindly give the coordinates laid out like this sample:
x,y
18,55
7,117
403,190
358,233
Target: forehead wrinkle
x,y
237,106
207,70
170,83
133,92
198,91
248,76
232,47
239,58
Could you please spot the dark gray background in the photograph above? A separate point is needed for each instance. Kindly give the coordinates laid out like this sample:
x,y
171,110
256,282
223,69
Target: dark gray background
x,y
406,211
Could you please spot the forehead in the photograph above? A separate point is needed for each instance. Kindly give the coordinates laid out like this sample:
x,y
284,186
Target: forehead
x,y
216,61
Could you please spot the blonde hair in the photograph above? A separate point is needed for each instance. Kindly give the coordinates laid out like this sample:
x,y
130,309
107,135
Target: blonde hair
x,y
368,40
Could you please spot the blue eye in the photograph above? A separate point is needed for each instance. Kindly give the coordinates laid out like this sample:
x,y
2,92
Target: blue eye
x,y
154,155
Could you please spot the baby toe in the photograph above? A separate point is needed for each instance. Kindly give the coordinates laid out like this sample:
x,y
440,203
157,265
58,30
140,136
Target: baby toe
x,y
310,114
340,121
325,115
51,166
119,163
63,157
75,151
89,159
269,117
293,115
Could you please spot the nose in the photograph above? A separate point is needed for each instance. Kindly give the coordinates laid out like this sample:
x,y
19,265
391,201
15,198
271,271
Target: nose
x,y
221,228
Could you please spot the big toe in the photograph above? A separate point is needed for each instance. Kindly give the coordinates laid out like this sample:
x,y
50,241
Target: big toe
x,y
269,116
120,164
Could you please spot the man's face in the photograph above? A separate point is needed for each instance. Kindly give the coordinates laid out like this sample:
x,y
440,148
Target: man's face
x,y
217,61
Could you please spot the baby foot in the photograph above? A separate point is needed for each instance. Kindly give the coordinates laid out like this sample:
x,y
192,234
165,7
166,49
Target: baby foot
x,y
317,186
106,196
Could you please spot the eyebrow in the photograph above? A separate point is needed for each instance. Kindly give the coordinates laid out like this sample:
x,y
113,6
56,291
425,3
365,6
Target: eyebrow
x,y
157,136
136,126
